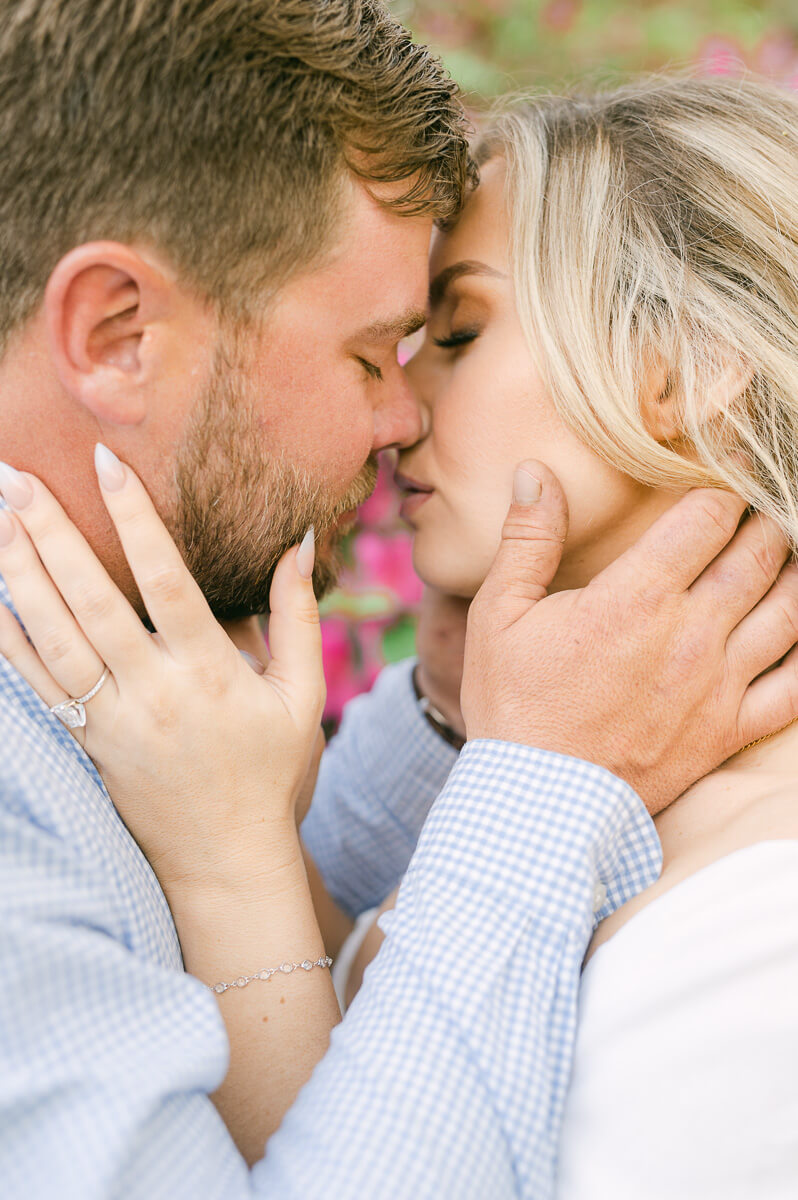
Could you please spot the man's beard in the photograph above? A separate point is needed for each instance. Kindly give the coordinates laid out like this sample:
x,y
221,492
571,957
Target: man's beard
x,y
238,511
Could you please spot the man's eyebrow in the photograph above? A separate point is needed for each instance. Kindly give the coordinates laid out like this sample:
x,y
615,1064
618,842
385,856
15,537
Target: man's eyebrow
x,y
437,289
394,328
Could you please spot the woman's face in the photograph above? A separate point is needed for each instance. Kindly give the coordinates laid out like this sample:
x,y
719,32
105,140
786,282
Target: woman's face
x,y
487,410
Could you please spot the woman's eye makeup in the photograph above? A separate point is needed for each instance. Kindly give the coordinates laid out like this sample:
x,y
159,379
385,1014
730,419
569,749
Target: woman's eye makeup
x,y
458,337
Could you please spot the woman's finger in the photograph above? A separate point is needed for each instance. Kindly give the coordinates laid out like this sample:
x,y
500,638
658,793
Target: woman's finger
x,y
109,625
67,655
295,633
16,648
173,600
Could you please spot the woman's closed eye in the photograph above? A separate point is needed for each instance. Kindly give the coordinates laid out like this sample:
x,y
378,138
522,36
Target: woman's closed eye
x,y
458,337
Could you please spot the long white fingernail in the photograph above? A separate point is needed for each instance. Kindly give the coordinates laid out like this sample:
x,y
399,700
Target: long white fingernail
x,y
306,554
255,663
15,487
110,471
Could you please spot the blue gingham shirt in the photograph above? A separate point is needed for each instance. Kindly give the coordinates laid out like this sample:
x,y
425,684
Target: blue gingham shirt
x,y
448,1074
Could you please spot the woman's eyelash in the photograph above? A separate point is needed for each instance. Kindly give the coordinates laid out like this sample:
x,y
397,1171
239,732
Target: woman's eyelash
x,y
458,337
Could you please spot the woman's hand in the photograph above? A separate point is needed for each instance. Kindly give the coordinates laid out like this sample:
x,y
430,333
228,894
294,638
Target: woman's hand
x,y
249,637
203,757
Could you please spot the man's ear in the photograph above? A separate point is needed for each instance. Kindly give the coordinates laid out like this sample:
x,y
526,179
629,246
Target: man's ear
x,y
661,404
103,303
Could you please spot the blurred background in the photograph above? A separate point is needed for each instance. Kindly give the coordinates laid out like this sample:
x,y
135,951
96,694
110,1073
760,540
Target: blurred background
x,y
490,47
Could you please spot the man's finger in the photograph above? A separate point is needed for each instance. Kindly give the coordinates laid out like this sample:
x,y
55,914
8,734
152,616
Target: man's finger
x,y
673,552
767,633
531,547
771,702
743,572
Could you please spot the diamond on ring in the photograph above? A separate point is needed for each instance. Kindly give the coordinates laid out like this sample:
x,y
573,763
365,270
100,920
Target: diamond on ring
x,y
72,712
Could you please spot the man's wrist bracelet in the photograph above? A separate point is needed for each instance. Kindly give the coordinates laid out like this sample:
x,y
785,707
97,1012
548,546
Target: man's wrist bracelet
x,y
284,969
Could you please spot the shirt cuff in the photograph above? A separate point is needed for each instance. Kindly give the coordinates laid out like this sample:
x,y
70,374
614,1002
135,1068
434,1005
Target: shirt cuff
x,y
520,830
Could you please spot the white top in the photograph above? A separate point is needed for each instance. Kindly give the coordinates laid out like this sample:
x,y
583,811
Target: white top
x,y
685,1076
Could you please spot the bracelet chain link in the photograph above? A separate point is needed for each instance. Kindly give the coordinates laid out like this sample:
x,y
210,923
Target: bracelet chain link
x,y
284,969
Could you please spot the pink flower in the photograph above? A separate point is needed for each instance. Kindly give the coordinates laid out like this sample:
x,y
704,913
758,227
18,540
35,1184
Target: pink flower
x,y
386,560
777,55
353,658
339,669
382,507
720,56
450,29
560,15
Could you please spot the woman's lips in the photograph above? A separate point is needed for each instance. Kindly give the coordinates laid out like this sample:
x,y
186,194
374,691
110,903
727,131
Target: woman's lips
x,y
416,495
412,503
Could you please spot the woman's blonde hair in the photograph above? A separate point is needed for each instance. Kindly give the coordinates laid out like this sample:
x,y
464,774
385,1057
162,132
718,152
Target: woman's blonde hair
x,y
659,223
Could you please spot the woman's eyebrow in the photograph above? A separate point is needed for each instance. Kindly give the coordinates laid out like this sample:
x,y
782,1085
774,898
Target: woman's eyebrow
x,y
437,289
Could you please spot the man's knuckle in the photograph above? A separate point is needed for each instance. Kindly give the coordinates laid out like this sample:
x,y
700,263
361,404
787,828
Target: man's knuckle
x,y
692,650
715,514
788,615
532,533
766,558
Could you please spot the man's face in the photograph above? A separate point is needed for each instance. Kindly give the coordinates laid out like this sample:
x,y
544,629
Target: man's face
x,y
297,407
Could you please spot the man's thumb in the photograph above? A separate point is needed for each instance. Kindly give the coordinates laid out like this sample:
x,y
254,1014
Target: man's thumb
x,y
531,545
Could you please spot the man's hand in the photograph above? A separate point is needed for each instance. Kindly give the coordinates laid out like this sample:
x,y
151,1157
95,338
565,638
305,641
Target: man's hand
x,y
440,643
655,669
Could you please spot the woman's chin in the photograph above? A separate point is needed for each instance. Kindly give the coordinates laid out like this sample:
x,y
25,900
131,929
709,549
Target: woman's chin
x,y
436,569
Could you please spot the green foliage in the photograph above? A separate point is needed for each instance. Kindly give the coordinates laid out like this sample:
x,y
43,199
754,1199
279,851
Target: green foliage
x,y
493,46
399,641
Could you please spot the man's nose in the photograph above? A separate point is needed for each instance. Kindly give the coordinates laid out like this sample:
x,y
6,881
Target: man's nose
x,y
399,421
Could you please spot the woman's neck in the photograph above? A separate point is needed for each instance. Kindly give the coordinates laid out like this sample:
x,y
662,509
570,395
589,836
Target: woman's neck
x,y
741,786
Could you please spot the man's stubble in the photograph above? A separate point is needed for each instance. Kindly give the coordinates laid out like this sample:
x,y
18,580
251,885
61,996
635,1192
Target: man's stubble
x,y
238,509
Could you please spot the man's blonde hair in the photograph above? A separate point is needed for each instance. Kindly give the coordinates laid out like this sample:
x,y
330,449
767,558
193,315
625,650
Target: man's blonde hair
x,y
659,222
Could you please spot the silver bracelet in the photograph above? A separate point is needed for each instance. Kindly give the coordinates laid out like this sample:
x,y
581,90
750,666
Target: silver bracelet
x,y
284,968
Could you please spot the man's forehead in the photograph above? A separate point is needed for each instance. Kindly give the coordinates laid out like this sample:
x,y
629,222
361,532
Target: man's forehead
x,y
375,273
